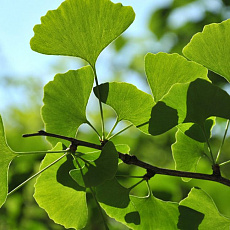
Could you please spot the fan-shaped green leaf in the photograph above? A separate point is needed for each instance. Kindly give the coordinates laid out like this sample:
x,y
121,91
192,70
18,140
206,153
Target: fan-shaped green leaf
x,y
130,103
59,195
155,213
119,207
203,204
135,212
65,100
205,100
211,48
164,70
100,170
189,103
195,131
81,28
6,156
123,148
187,152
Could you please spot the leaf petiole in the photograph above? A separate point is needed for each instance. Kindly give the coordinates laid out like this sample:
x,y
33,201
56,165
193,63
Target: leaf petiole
x,y
40,152
133,186
100,209
94,129
36,174
100,104
128,176
222,143
121,131
114,126
224,163
208,143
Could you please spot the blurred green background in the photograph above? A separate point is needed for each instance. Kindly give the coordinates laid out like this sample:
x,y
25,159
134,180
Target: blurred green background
x,y
168,28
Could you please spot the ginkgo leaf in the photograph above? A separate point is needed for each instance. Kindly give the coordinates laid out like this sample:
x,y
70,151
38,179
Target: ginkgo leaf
x,y
189,103
155,213
123,148
164,70
57,193
195,132
129,103
206,213
205,100
81,28
211,48
65,100
6,156
96,172
136,212
119,207
187,153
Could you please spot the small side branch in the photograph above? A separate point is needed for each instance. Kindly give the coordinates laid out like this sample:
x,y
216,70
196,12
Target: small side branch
x,y
133,160
70,139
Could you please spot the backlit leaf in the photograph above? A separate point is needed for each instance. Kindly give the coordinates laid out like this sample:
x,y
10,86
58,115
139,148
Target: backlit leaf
x,y
81,28
100,170
65,100
155,213
136,212
164,70
130,103
57,193
187,152
6,156
119,207
189,103
211,48
202,203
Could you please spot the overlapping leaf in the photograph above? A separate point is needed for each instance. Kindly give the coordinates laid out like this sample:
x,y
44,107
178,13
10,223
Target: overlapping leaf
x,y
164,70
59,195
135,212
98,171
130,103
198,211
189,103
81,28
6,156
211,48
187,152
65,100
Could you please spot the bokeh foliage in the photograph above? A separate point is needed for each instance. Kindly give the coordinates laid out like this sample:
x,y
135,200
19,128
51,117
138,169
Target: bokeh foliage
x,y
21,212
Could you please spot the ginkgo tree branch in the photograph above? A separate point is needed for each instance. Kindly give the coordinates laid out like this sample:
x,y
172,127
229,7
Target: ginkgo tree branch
x,y
133,160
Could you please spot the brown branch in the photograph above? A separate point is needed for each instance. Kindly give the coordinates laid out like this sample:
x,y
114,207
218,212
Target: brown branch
x,y
133,160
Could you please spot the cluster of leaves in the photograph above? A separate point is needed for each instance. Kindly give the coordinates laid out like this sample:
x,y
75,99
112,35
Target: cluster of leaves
x,y
182,96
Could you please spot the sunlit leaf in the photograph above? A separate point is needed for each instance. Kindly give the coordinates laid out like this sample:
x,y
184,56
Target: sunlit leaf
x,y
207,215
196,132
100,170
81,28
65,100
123,148
119,207
189,103
91,156
155,213
205,100
211,48
136,212
164,70
57,193
130,103
6,156
187,152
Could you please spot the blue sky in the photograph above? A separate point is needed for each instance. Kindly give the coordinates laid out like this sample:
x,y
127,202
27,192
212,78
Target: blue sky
x,y
17,19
